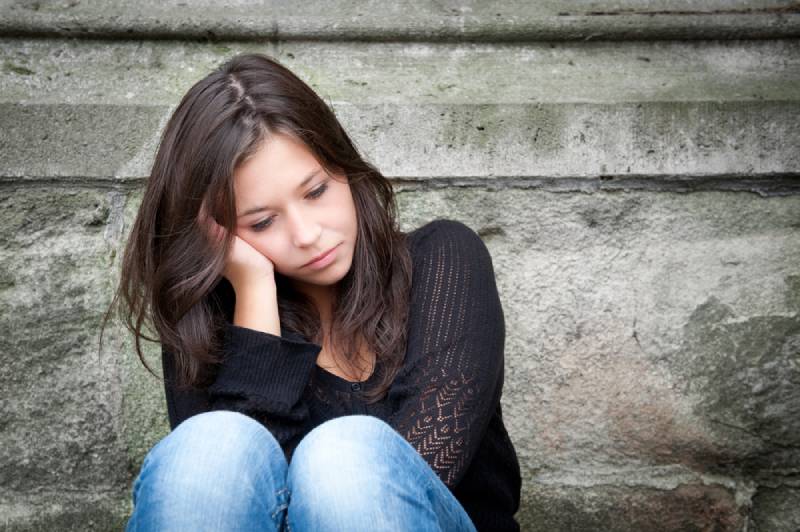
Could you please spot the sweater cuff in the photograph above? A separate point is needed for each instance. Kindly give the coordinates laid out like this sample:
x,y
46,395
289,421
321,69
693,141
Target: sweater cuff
x,y
269,370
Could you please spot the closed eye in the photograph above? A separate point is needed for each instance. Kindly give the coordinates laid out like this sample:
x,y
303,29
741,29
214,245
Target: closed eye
x,y
317,192
314,194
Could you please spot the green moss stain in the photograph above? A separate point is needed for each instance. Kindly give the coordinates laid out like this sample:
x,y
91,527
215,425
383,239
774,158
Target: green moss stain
x,y
8,66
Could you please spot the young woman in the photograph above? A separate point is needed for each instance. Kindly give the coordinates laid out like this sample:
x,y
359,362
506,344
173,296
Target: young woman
x,y
322,369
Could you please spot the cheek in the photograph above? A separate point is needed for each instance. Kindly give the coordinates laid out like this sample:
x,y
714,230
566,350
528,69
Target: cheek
x,y
275,247
345,201
257,242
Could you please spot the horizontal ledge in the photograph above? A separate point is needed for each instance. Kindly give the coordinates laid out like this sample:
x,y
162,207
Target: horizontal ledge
x,y
773,184
767,185
682,139
159,72
428,22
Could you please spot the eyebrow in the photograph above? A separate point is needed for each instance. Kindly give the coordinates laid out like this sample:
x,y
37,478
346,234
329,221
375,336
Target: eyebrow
x,y
303,183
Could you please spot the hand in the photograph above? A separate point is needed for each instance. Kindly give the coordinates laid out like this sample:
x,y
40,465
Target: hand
x,y
244,265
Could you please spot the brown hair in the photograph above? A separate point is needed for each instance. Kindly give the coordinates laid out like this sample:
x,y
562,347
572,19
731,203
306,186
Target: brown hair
x,y
170,270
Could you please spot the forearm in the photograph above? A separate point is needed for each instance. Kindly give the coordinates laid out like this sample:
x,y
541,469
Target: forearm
x,y
257,308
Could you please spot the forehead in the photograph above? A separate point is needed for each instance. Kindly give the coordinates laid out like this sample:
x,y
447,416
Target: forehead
x,y
280,167
277,159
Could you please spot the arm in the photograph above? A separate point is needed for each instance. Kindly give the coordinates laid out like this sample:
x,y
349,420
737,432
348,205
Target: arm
x,y
450,386
265,376
262,375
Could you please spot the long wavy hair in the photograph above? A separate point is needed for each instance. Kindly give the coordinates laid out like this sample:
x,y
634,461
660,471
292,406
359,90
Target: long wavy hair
x,y
171,273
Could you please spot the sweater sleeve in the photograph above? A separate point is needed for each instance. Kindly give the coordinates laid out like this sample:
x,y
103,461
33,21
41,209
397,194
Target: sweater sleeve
x,y
447,391
262,375
265,377
181,404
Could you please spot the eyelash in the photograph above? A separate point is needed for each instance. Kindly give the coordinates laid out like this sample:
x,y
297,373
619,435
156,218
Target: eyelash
x,y
314,194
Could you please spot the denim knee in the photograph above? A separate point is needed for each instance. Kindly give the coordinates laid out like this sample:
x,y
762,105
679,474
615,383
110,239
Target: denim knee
x,y
213,458
345,438
217,440
345,459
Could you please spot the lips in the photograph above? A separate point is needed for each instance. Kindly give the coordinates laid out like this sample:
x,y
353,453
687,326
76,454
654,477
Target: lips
x,y
315,259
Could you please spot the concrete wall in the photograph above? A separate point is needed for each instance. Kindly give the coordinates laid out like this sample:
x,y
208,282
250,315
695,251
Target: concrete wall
x,y
632,166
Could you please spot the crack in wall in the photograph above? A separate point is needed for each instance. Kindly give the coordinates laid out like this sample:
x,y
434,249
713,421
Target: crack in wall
x,y
744,11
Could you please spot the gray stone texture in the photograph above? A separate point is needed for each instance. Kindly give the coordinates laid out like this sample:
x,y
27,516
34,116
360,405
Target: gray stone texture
x,y
538,111
622,508
640,199
426,20
776,510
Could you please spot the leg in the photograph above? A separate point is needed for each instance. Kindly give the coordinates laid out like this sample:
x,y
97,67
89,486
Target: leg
x,y
216,471
358,473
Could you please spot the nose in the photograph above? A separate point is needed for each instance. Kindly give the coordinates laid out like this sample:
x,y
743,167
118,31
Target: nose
x,y
304,229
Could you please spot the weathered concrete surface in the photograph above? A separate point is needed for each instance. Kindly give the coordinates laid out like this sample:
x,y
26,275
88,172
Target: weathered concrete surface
x,y
621,508
476,111
407,20
158,73
74,141
75,419
775,510
55,263
61,408
542,144
617,304
646,331
64,511
641,203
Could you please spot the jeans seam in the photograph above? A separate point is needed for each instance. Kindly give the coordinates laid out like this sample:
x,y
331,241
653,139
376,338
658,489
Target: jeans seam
x,y
281,507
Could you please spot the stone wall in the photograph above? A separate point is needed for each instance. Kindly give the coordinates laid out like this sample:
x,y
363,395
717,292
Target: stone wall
x,y
633,170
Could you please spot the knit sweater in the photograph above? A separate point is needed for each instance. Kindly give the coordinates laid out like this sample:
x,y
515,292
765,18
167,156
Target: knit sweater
x,y
445,400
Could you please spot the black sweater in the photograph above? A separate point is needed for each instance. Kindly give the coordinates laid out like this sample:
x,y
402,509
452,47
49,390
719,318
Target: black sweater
x,y
445,400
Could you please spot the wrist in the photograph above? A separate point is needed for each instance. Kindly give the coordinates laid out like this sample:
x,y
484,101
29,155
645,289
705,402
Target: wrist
x,y
257,308
249,287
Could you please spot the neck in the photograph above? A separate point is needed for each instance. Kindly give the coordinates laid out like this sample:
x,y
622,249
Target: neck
x,y
321,297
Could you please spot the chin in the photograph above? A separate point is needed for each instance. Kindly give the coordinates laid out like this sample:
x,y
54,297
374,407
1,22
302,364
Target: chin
x,y
327,277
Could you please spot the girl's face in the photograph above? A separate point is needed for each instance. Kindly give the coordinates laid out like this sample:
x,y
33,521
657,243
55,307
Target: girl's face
x,y
290,210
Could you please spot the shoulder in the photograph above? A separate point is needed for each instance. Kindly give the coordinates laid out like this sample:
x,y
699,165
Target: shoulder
x,y
454,290
446,236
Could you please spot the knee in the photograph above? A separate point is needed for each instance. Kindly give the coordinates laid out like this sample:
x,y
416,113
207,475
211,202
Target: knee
x,y
219,423
222,433
213,464
344,471
345,450
212,446
355,437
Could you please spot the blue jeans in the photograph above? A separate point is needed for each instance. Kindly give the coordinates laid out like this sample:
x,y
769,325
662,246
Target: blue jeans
x,y
223,470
